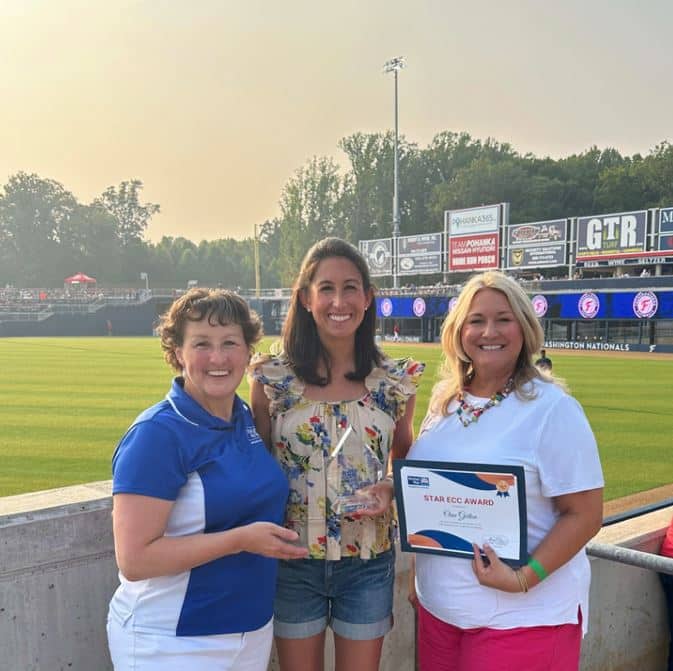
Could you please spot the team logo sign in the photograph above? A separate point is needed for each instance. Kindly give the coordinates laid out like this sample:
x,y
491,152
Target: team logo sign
x,y
589,305
378,256
452,303
517,257
645,304
419,307
540,305
386,307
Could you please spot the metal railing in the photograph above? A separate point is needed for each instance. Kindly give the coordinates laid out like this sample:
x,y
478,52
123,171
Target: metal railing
x,y
629,556
645,560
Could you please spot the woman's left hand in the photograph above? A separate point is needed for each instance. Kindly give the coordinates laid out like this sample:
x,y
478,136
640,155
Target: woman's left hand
x,y
381,495
494,573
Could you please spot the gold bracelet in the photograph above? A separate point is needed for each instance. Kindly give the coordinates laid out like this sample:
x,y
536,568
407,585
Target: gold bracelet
x,y
525,580
523,583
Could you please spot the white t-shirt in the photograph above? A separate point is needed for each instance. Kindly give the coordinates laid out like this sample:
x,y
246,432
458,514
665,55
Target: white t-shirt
x,y
550,437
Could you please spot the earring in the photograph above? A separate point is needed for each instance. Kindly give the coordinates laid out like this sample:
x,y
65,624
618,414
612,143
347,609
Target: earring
x,y
308,309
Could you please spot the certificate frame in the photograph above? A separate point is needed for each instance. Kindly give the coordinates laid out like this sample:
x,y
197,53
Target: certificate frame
x,y
458,474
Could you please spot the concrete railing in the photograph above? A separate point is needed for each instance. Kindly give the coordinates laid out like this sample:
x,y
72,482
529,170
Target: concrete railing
x,y
57,574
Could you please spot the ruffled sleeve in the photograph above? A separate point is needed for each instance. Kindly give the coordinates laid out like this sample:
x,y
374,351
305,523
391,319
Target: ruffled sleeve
x,y
281,385
392,384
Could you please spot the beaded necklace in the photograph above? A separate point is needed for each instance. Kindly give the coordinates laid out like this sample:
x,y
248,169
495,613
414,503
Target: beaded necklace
x,y
467,413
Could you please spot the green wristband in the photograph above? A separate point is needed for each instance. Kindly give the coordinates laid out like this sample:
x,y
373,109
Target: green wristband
x,y
538,569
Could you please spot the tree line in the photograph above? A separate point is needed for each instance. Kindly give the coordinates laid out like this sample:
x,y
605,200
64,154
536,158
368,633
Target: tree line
x,y
46,234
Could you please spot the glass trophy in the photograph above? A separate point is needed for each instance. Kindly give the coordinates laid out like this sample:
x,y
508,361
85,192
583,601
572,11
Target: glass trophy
x,y
352,467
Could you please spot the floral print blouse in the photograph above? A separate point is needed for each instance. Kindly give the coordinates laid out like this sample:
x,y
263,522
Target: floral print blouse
x,y
308,440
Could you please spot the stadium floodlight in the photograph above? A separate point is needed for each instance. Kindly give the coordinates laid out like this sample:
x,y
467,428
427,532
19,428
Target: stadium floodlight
x,y
394,65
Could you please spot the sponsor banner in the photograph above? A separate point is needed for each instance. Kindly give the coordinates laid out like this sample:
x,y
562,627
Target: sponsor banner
x,y
666,229
610,234
636,259
536,256
419,254
420,265
594,346
473,220
474,252
540,232
379,256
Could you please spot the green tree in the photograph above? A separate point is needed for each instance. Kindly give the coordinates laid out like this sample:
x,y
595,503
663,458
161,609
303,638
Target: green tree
x,y
132,216
369,185
310,207
94,243
35,230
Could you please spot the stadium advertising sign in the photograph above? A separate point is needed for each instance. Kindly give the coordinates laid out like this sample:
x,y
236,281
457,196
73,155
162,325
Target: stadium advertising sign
x,y
379,256
538,245
419,254
621,233
600,346
666,229
536,256
473,220
644,259
474,252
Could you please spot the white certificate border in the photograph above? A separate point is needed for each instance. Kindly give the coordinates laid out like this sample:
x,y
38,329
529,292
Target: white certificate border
x,y
517,471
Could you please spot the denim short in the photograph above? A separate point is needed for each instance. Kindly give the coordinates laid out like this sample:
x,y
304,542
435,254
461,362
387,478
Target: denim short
x,y
353,596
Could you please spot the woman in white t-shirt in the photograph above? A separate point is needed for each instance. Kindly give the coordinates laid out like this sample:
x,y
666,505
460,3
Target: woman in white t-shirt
x,y
494,407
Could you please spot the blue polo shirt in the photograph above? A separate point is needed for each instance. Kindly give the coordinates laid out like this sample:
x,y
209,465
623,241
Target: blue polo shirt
x,y
220,476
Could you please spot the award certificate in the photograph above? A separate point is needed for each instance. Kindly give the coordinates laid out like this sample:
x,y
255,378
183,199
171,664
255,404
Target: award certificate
x,y
444,507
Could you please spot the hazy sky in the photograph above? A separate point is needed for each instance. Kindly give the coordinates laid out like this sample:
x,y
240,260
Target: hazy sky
x,y
214,104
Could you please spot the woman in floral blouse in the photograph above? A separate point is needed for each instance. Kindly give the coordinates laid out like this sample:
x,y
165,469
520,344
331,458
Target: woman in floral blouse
x,y
335,409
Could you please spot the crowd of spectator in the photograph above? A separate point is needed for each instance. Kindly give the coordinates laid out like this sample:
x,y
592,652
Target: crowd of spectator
x,y
46,299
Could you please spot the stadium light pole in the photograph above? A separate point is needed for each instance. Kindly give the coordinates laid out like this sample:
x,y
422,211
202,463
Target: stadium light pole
x,y
394,65
255,249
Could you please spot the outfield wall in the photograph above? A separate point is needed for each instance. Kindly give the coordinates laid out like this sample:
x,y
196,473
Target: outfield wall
x,y
57,574
125,320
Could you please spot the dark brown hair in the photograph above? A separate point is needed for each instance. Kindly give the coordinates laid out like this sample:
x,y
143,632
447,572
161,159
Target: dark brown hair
x,y
218,306
301,343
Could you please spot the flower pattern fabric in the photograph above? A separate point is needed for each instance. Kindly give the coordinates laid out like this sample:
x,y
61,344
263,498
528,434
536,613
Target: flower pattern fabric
x,y
305,434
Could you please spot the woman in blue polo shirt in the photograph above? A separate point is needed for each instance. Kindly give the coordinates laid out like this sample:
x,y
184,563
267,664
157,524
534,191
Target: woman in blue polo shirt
x,y
198,503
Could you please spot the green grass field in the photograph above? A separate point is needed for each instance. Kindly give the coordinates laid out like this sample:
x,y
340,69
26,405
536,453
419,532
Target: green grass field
x,y
64,403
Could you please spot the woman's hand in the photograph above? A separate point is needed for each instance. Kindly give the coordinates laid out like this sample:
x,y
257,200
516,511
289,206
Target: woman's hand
x,y
144,551
270,540
380,495
494,573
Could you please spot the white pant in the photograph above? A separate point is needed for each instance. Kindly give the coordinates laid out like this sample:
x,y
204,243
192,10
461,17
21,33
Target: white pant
x,y
134,651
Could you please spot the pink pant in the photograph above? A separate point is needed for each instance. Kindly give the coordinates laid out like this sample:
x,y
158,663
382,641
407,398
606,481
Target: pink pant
x,y
443,647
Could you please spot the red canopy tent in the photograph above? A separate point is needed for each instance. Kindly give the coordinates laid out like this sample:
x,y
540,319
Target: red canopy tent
x,y
79,278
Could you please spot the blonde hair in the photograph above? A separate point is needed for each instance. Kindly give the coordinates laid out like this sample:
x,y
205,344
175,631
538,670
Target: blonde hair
x,y
456,369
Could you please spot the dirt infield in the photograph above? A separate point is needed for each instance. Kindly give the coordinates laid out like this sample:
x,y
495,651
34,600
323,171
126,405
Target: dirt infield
x,y
637,500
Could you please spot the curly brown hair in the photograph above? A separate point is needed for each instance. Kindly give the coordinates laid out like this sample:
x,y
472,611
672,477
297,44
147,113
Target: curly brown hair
x,y
218,306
